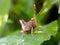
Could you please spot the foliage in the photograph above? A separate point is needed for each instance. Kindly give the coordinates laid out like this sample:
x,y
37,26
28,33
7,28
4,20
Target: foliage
x,y
4,8
10,28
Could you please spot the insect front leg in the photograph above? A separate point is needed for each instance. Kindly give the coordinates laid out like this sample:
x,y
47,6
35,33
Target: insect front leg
x,y
23,34
32,33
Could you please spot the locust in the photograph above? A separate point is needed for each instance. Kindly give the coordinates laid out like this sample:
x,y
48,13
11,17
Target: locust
x,y
28,26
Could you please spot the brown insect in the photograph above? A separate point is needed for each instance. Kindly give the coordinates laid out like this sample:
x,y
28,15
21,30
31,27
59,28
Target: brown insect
x,y
28,26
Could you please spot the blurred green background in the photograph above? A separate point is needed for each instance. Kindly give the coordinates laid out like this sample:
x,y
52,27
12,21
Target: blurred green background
x,y
47,16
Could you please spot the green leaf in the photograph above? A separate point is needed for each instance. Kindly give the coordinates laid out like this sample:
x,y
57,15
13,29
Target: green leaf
x,y
4,6
59,10
41,16
4,9
52,28
16,39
